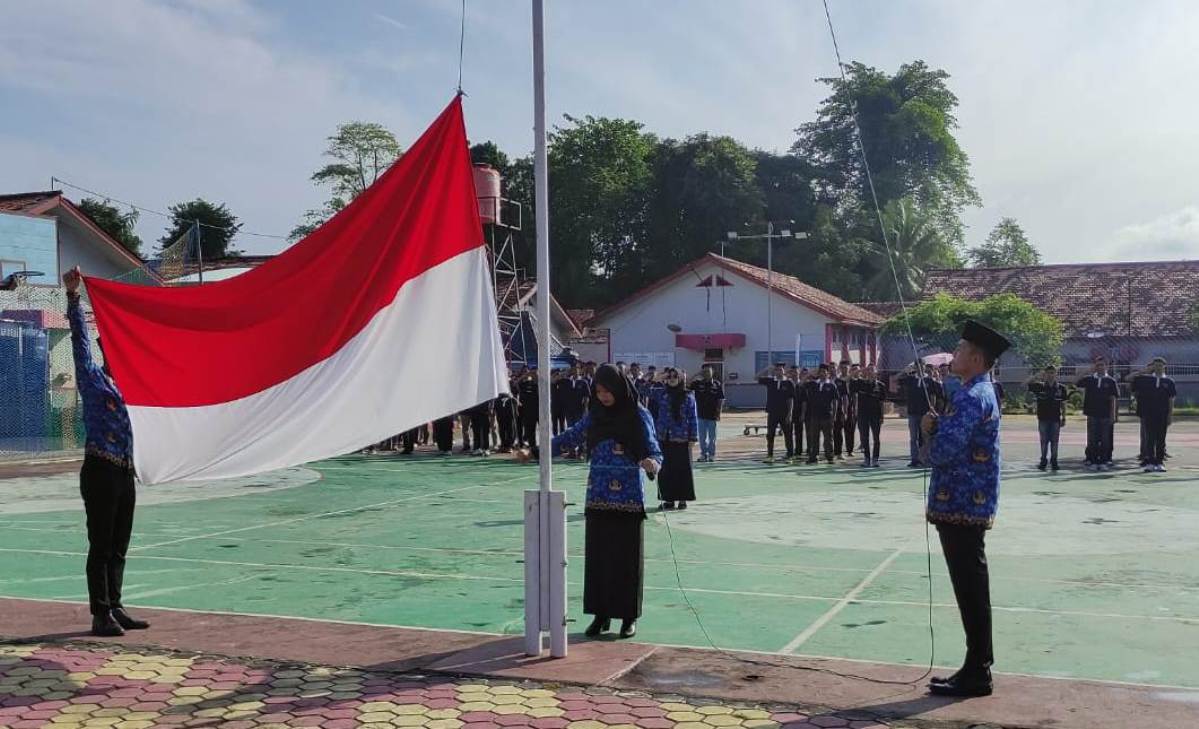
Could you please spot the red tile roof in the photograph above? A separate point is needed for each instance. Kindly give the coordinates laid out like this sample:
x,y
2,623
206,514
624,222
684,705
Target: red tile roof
x,y
788,287
1148,299
885,309
26,202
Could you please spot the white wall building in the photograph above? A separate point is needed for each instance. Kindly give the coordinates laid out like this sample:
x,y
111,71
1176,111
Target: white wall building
x,y
714,311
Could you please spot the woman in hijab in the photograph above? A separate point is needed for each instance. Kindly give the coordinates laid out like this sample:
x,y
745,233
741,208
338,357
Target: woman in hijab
x,y
677,424
619,435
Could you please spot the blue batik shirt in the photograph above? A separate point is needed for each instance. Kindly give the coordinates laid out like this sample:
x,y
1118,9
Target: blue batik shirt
x,y
105,419
965,458
614,482
684,429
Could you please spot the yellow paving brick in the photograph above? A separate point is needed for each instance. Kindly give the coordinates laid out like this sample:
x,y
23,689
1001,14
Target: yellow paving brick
x,y
623,726
277,726
677,707
714,710
345,695
444,724
376,716
476,706
505,690
139,716
247,705
473,697
502,699
410,720
539,701
101,713
140,675
722,720
691,725
235,715
191,691
684,716
586,724
545,712
374,725
410,710
538,693
760,724
215,713
376,706
443,713
77,709
134,724
751,714
183,700
101,721
468,688
512,709
68,720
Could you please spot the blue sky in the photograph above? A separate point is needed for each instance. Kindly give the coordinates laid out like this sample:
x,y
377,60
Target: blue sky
x,y
1079,117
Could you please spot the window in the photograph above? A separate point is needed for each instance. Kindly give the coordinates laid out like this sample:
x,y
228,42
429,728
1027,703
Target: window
x,y
714,355
761,361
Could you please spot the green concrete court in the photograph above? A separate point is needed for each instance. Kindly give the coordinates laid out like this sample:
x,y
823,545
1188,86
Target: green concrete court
x,y
1094,575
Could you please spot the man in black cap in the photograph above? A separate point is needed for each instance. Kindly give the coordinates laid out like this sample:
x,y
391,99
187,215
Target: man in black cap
x,y
529,396
963,496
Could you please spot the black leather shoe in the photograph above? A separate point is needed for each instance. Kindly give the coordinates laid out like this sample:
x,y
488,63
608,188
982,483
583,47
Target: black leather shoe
x,y
104,626
963,685
599,625
128,622
628,628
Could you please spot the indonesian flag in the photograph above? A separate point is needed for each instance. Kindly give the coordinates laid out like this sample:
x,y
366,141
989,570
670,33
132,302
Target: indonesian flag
x,y
381,320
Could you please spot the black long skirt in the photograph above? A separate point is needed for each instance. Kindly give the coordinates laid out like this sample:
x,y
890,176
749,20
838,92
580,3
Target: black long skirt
x,y
613,565
675,480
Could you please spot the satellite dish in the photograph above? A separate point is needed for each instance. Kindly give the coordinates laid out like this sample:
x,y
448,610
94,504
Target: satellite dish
x,y
674,328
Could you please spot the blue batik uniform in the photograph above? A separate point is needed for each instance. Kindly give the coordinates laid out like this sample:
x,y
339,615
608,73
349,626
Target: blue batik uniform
x,y
614,482
965,458
670,429
105,418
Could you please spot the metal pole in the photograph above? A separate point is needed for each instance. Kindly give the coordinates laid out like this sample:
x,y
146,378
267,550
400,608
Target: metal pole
x,y
770,291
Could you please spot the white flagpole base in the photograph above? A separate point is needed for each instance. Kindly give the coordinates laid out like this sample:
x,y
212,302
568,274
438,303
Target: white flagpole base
x,y
533,573
555,504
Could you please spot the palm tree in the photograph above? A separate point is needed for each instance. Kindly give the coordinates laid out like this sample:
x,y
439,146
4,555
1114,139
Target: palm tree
x,y
915,247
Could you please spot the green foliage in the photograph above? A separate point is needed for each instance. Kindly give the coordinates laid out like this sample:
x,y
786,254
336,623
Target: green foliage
x,y
916,246
907,123
118,225
361,151
1006,245
938,322
218,227
489,153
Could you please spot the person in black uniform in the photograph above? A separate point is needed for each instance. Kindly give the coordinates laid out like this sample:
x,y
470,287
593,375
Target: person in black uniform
x,y
443,435
561,390
514,388
1155,393
1051,399
580,392
922,394
480,427
822,403
1100,394
408,440
780,401
528,395
798,410
709,401
505,420
843,428
999,391
870,393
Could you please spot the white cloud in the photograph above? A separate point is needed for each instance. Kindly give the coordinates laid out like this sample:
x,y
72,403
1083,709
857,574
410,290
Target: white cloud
x,y
1172,236
391,21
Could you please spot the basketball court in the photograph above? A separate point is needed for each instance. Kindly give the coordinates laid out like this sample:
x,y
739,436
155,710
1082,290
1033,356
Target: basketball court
x,y
1093,575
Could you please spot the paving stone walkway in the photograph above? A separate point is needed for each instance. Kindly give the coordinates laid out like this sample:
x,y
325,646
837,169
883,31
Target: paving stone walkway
x,y
61,686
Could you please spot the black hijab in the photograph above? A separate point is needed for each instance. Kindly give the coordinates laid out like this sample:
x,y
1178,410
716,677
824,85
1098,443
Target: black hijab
x,y
622,421
677,394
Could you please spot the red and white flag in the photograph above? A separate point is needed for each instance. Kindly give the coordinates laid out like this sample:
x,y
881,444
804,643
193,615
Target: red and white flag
x,y
382,319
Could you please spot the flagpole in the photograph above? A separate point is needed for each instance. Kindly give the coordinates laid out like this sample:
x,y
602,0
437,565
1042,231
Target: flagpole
x,y
551,612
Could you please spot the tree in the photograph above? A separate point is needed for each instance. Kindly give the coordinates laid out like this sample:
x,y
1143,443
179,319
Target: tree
x,y
916,246
118,225
602,177
907,126
361,151
217,228
1006,245
938,322
489,153
704,187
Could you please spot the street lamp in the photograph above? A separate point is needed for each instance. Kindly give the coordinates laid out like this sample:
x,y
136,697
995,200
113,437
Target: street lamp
x,y
769,236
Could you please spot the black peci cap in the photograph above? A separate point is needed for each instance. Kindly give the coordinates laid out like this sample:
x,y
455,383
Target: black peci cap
x,y
986,339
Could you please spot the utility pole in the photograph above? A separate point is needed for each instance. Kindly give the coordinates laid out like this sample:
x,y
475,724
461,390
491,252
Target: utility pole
x,y
769,237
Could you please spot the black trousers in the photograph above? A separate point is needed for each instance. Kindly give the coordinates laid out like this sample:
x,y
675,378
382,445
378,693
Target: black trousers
x,y
480,427
507,427
528,430
797,428
843,429
1155,439
464,423
443,434
966,557
108,499
818,428
408,439
782,422
867,427
559,422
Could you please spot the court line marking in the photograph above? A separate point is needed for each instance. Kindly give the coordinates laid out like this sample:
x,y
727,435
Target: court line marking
x,y
669,588
806,656
306,517
841,604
